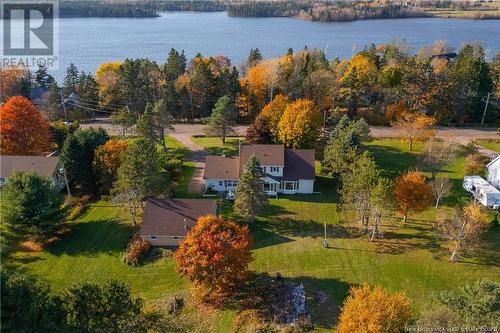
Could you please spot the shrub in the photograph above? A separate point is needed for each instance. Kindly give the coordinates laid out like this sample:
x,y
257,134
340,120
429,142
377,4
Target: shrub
x,y
174,166
77,206
475,164
136,250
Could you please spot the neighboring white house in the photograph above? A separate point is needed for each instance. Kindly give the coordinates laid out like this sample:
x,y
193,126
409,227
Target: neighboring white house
x,y
42,165
287,171
494,172
482,191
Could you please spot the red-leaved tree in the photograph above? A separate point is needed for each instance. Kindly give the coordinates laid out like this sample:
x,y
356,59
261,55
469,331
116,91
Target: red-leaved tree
x,y
23,131
214,256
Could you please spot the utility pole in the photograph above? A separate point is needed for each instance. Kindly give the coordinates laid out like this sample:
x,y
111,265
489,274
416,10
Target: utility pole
x,y
485,108
64,107
325,241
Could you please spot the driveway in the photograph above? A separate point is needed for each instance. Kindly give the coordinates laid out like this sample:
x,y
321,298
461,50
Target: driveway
x,y
198,156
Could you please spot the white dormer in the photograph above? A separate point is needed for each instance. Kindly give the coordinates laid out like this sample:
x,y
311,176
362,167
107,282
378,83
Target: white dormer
x,y
273,170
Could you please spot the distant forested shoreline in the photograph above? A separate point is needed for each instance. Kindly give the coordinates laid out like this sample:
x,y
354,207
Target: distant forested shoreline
x,y
313,10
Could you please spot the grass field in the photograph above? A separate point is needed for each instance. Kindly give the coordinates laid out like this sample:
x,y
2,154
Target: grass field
x,y
215,147
489,144
288,239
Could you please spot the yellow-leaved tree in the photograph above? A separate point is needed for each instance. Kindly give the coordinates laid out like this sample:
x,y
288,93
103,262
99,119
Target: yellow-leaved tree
x,y
300,125
273,111
414,126
374,310
106,76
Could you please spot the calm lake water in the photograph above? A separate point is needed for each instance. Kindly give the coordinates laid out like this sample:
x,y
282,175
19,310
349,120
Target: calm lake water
x,y
87,42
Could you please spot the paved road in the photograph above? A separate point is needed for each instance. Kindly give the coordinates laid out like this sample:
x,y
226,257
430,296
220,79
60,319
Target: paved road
x,y
463,135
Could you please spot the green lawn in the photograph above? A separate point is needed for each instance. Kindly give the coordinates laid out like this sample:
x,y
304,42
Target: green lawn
x,y
215,147
489,144
288,239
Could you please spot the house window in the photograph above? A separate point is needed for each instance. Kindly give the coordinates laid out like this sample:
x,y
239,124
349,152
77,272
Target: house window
x,y
267,186
264,169
176,238
152,237
221,183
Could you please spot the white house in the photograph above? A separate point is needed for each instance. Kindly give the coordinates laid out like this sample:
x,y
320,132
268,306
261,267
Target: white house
x,y
494,172
287,171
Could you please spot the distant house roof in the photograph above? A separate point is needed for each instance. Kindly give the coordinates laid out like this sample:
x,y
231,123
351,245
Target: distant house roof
x,y
37,93
220,167
42,165
174,217
297,163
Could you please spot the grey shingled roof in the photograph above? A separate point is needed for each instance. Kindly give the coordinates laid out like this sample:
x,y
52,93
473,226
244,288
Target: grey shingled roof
x,y
42,165
174,217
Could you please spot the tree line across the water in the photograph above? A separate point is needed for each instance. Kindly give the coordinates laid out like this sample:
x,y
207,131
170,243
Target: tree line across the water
x,y
314,10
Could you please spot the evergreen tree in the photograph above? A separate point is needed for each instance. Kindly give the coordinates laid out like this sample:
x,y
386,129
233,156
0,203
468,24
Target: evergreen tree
x,y
222,118
250,195
155,122
77,156
175,65
52,103
254,57
31,204
42,78
139,176
70,80
202,88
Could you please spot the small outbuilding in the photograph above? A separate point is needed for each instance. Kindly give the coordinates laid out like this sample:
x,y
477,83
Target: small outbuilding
x,y
166,222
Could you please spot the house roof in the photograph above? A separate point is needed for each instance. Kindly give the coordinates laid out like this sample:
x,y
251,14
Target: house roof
x,y
42,165
37,93
266,154
493,161
220,167
299,164
174,217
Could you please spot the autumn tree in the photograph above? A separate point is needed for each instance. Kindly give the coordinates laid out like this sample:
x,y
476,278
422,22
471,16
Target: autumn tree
x,y
138,176
259,132
31,204
414,127
222,120
214,256
374,310
464,229
250,195
413,193
155,123
107,161
23,131
107,75
441,188
14,81
300,125
274,110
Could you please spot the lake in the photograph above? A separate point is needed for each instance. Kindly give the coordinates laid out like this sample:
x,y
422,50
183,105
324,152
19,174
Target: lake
x,y
87,42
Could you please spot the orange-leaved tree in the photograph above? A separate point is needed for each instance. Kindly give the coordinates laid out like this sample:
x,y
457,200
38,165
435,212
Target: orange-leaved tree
x,y
414,126
374,310
214,256
107,161
23,131
300,125
273,111
413,193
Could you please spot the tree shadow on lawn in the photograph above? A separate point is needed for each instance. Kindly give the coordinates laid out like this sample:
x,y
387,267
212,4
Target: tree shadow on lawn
x,y
94,237
392,161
